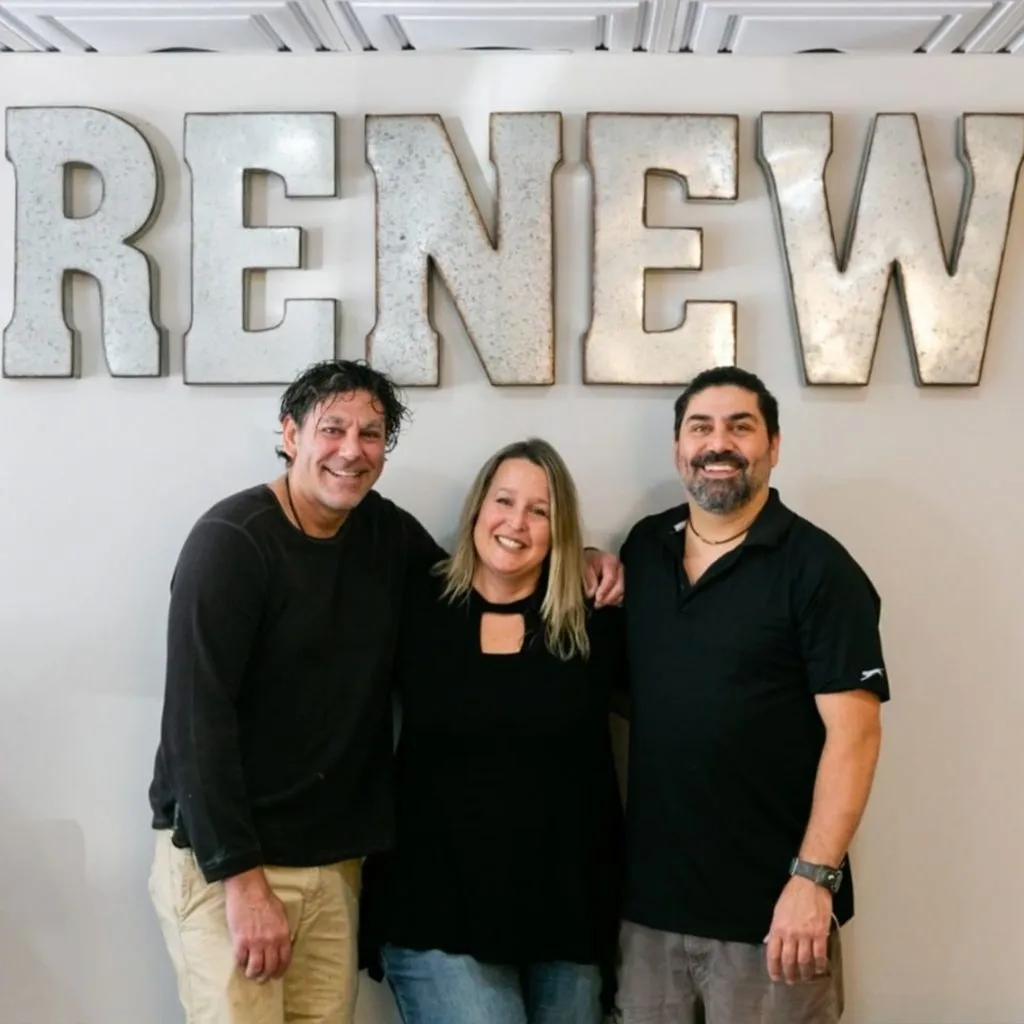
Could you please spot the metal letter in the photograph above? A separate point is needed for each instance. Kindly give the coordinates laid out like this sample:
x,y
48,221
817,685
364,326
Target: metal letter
x,y
50,244
837,303
426,215
221,150
622,149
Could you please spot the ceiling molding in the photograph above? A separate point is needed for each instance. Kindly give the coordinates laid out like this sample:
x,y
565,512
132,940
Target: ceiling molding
x,y
744,27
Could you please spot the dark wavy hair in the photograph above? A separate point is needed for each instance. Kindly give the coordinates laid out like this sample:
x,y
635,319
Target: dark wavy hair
x,y
323,381
719,376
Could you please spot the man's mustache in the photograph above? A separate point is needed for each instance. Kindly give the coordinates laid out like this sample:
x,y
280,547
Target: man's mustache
x,y
721,458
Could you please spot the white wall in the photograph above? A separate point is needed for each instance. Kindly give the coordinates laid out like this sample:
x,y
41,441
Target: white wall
x,y
100,479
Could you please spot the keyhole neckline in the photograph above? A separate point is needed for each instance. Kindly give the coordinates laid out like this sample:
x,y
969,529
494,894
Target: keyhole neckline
x,y
518,607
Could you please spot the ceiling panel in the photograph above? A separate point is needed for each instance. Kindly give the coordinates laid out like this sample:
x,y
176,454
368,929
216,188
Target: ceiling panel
x,y
440,25
853,26
762,27
761,36
442,32
130,26
10,39
1008,34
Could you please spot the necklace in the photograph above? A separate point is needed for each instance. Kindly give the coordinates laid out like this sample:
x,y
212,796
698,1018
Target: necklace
x,y
690,526
291,505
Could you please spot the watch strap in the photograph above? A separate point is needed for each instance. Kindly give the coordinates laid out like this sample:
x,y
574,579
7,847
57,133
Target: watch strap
x,y
821,874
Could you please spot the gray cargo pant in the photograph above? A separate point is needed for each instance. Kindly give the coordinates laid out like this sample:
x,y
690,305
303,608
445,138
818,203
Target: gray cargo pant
x,y
681,979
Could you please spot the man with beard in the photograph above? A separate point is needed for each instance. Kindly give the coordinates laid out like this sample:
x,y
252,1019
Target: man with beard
x,y
757,675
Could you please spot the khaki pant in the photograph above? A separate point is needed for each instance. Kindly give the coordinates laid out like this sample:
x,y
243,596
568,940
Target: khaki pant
x,y
681,979
319,986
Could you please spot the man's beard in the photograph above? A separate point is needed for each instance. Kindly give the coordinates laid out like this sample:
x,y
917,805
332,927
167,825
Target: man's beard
x,y
719,496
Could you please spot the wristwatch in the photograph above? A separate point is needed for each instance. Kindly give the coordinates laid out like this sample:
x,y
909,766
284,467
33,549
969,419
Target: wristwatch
x,y
820,874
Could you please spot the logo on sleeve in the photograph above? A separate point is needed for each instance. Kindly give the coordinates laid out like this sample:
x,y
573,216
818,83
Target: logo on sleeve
x,y
865,676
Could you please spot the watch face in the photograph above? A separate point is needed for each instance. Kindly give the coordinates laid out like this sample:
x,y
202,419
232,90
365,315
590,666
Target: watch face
x,y
829,878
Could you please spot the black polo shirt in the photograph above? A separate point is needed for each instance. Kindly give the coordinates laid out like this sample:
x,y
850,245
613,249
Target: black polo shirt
x,y
725,734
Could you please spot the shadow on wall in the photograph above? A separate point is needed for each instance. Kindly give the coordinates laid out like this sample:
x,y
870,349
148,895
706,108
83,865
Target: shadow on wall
x,y
950,643
376,1004
664,495
42,886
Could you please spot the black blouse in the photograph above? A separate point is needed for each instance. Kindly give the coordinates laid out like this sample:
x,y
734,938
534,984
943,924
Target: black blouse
x,y
509,821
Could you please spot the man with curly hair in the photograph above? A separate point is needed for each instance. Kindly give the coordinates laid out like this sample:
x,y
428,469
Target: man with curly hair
x,y
272,776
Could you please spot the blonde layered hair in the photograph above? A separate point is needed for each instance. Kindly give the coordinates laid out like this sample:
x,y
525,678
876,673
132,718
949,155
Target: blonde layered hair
x,y
564,608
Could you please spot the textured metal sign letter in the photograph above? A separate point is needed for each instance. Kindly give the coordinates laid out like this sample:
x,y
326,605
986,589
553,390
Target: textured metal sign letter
x,y
221,150
838,301
426,216
50,244
622,150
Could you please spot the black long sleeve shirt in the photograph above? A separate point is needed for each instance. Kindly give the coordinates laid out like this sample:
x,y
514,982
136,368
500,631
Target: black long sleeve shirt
x,y
276,736
509,819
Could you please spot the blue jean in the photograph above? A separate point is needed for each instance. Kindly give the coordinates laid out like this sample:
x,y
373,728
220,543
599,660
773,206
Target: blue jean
x,y
432,987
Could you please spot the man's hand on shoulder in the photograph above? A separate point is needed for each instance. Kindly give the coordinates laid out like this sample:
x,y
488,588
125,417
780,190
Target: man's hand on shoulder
x,y
605,578
258,925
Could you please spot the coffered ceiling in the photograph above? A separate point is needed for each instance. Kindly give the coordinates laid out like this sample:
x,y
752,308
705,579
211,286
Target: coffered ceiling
x,y
754,27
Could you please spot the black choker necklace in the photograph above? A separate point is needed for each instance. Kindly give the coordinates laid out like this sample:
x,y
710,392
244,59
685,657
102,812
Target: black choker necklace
x,y
291,505
690,526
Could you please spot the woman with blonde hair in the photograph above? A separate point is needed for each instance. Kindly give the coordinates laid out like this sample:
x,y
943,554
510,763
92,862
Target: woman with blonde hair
x,y
500,901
